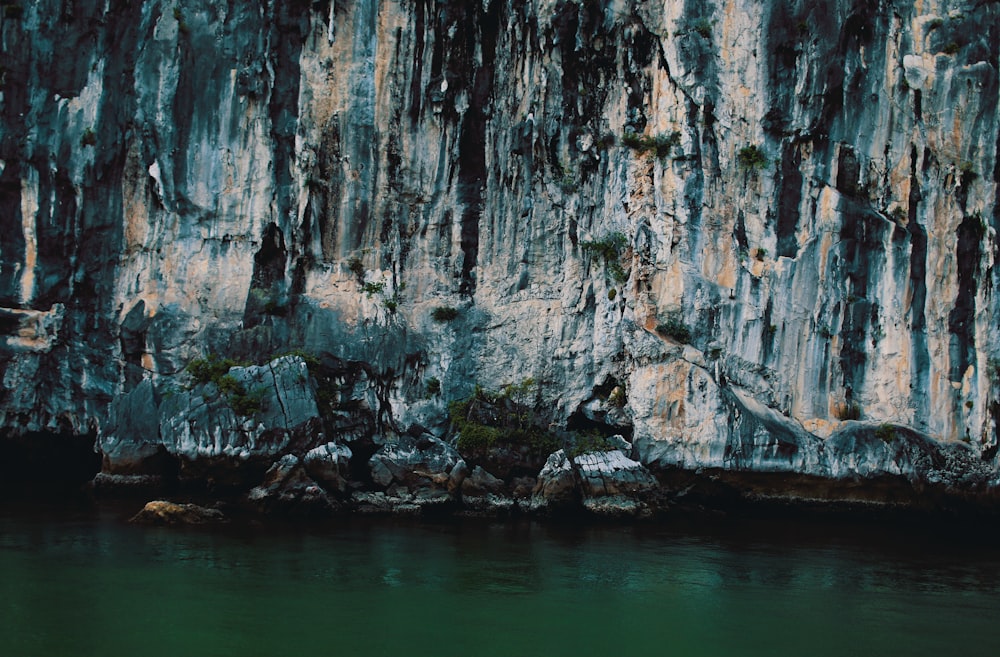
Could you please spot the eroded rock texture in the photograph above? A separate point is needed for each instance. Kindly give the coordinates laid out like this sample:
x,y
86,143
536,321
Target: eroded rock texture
x,y
747,233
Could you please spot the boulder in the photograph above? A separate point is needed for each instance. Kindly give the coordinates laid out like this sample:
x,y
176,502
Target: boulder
x,y
262,411
414,464
480,483
612,473
160,512
557,484
329,465
288,488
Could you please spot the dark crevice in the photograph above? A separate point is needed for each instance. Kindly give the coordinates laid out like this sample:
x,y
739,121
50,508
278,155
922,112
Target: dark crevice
x,y
472,143
789,199
961,319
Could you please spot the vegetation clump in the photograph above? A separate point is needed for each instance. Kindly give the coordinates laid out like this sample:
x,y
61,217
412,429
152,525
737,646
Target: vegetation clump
x,y
433,386
311,360
752,158
674,328
13,10
213,369
89,138
849,411
444,313
660,144
703,27
951,48
609,249
588,443
490,419
886,433
357,268
246,402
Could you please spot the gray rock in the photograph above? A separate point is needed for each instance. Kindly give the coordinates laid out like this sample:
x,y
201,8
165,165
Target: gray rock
x,y
415,464
557,484
329,465
480,483
611,473
289,489
784,267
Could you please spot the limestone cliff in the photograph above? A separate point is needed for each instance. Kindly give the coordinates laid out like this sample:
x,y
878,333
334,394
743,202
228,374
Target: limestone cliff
x,y
751,235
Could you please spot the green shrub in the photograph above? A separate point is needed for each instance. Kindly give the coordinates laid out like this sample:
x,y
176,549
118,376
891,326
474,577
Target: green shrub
x,y
229,384
444,313
848,411
433,386
13,11
703,27
357,268
752,158
487,419
609,250
951,49
247,403
660,144
885,432
211,368
89,138
373,288
587,443
675,329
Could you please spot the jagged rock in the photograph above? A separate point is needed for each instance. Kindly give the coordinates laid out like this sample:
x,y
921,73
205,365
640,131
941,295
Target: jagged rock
x,y
484,494
329,465
557,484
613,484
761,223
480,482
418,464
160,512
612,473
117,483
288,488
201,425
521,488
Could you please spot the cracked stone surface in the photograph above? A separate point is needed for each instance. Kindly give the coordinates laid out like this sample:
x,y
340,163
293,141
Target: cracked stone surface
x,y
806,196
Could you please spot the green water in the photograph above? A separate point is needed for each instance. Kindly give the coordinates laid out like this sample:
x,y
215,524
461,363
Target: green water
x,y
83,583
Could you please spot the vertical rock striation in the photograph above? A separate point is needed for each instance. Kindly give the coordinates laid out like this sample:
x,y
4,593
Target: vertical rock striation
x,y
766,225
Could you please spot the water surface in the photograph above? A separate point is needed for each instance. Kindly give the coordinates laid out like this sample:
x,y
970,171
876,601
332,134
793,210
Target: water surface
x,y
81,582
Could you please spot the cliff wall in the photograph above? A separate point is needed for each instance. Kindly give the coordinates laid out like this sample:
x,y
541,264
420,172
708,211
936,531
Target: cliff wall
x,y
733,231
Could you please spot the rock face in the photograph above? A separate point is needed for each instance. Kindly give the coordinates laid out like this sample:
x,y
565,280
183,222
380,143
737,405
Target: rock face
x,y
605,482
747,234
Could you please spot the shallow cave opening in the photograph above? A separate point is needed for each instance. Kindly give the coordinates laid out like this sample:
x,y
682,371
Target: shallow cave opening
x,y
45,463
579,422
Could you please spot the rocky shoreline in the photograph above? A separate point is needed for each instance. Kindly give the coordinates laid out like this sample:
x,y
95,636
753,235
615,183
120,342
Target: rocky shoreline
x,y
312,446
505,257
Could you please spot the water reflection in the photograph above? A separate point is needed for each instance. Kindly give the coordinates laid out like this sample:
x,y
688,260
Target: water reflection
x,y
94,585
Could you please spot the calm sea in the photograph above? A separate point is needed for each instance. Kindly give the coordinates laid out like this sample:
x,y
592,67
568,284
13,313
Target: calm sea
x,y
79,581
